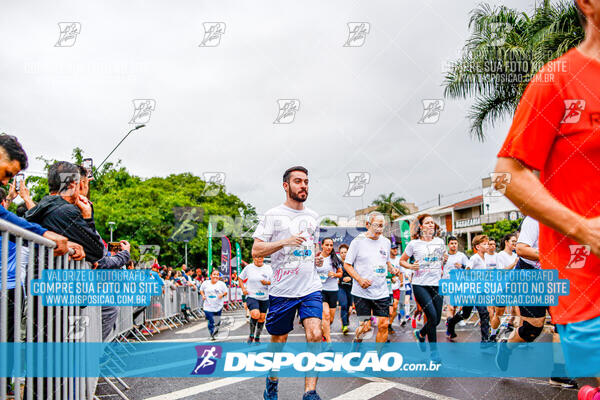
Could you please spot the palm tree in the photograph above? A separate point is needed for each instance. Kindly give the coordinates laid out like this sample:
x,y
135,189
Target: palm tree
x,y
505,50
390,205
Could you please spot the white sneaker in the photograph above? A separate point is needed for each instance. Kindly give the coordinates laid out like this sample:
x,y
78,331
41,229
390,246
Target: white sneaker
x,y
462,323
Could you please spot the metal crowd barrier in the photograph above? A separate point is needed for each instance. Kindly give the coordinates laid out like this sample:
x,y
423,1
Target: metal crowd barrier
x,y
234,298
34,323
29,321
172,306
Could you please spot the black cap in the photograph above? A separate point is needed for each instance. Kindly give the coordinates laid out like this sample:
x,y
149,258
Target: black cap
x,y
394,245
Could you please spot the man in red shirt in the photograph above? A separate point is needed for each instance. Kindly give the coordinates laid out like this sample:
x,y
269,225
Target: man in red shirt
x,y
556,131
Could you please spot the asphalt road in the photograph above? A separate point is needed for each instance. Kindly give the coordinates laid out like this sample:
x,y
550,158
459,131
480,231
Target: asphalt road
x,y
333,388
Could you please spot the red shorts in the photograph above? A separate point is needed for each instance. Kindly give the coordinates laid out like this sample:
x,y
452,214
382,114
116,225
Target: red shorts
x,y
396,294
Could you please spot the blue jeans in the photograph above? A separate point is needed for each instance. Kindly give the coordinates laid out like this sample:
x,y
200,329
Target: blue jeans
x,y
345,300
210,316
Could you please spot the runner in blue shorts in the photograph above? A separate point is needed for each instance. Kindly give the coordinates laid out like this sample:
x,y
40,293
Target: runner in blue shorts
x,y
288,234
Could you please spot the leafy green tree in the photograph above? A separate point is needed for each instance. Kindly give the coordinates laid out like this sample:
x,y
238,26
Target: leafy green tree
x,y
328,222
500,228
143,210
505,49
390,205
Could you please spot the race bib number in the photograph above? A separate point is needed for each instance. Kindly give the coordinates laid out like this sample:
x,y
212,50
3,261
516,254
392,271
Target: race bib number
x,y
380,271
301,256
260,293
433,257
323,277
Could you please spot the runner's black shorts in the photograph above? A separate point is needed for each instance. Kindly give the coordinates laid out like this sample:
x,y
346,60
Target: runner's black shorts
x,y
330,297
261,305
379,307
530,311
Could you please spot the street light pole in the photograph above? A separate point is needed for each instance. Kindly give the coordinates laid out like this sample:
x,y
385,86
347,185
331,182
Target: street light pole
x,y
111,227
186,263
113,150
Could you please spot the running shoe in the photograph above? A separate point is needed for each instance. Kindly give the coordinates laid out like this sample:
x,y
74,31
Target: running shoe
x,y
462,323
564,382
345,329
420,340
270,392
311,395
257,340
355,345
502,355
450,332
486,344
403,323
494,338
391,330
435,357
588,393
250,340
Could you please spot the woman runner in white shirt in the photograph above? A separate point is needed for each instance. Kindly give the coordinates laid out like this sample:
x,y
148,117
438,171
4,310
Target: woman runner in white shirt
x,y
429,252
329,273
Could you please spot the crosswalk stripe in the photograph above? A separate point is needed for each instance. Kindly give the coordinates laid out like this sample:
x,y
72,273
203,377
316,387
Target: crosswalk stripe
x,y
412,389
191,391
366,391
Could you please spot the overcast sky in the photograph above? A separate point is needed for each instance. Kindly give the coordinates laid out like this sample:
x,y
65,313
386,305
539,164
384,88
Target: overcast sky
x,y
359,106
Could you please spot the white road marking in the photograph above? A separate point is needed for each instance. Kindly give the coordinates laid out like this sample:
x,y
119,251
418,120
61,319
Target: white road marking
x,y
413,390
191,391
367,391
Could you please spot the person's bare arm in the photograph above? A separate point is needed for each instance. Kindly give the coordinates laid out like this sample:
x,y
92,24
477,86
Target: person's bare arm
x,y
336,274
364,283
244,290
265,249
528,252
533,199
26,196
391,269
511,266
404,262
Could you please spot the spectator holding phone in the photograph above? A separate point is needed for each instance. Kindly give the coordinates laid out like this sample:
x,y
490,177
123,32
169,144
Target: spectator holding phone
x,y
66,211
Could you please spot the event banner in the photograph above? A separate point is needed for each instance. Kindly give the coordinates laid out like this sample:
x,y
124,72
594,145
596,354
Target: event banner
x,y
98,287
229,359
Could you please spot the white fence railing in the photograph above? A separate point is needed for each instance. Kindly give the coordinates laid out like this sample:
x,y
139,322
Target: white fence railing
x,y
24,319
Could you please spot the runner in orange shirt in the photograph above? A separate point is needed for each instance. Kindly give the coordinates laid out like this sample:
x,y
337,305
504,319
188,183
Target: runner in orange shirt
x,y
556,130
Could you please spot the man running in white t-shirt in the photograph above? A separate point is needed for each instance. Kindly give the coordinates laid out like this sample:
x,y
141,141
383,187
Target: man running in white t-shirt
x,y
368,263
477,261
456,260
288,234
